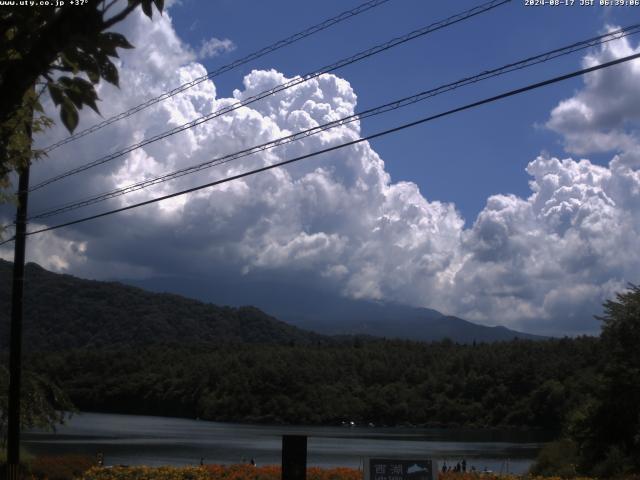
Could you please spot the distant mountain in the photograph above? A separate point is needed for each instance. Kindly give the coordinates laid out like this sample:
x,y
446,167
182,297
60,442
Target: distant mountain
x,y
399,321
326,312
62,311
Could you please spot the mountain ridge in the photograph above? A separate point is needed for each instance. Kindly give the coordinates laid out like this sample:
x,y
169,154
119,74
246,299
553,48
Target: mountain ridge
x,y
76,313
63,311
328,313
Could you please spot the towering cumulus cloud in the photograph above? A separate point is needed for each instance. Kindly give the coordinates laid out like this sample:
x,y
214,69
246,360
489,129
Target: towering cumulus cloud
x,y
542,263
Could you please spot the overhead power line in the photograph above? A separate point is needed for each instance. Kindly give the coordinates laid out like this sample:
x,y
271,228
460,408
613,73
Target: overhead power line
x,y
225,68
396,104
485,7
346,144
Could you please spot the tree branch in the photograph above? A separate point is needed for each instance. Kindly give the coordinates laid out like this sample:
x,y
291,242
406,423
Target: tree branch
x,y
107,7
120,16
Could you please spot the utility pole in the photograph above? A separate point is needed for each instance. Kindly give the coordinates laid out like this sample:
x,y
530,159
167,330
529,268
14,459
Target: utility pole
x,y
15,347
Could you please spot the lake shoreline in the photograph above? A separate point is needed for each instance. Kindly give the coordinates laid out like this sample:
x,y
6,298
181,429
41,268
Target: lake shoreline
x,y
257,421
156,441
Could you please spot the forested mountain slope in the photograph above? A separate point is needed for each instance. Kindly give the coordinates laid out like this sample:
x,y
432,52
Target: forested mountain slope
x,y
65,312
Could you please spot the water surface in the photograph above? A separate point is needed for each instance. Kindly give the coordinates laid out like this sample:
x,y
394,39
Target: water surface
x,y
146,440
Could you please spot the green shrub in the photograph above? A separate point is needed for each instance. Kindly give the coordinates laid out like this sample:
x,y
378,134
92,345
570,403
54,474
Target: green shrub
x,y
556,459
614,464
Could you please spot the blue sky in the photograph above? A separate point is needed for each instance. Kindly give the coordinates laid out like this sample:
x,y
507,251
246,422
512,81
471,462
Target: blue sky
x,y
523,212
490,145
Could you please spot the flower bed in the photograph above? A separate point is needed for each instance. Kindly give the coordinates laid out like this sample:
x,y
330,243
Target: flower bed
x,y
75,467
214,472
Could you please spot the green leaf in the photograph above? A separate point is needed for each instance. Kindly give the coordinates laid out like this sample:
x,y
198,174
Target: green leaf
x,y
69,115
56,92
116,39
87,93
69,63
66,82
107,49
85,62
109,72
81,84
108,43
80,92
147,7
93,72
159,5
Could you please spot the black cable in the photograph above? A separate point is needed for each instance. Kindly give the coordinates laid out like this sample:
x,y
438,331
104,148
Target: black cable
x,y
225,68
528,62
8,240
347,144
485,7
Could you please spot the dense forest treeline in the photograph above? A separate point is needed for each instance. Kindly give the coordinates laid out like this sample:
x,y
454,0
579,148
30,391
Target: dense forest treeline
x,y
519,383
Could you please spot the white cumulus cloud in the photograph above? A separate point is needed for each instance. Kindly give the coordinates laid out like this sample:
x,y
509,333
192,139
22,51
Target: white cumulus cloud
x,y
604,116
555,256
542,263
214,47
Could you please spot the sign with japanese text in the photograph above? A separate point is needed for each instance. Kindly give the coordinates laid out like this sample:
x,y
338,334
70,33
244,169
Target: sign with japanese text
x,y
399,469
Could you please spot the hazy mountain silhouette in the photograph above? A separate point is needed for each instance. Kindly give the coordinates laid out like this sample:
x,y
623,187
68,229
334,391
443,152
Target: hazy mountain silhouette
x,y
326,312
62,311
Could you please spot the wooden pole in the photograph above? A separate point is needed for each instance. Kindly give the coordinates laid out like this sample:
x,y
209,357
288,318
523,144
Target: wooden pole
x,y
15,346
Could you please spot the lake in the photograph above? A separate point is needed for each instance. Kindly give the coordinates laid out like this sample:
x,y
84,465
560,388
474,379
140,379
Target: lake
x,y
145,440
